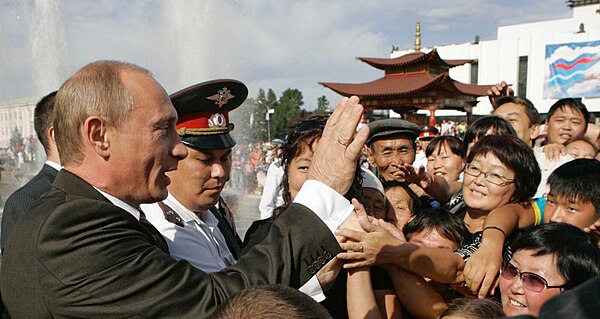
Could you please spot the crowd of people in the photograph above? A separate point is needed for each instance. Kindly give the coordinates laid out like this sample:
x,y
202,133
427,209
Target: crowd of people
x,y
126,218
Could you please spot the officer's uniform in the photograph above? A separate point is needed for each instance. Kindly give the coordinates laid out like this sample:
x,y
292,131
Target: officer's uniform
x,y
208,239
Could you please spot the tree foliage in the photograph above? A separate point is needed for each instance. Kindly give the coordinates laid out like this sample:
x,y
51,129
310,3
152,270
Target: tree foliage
x,y
322,105
287,111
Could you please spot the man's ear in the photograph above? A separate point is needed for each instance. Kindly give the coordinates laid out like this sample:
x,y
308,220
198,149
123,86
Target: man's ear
x,y
97,135
370,156
534,131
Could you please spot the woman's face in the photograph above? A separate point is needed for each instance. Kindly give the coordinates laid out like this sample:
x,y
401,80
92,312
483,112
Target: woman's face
x,y
442,162
374,202
479,193
518,300
298,169
399,206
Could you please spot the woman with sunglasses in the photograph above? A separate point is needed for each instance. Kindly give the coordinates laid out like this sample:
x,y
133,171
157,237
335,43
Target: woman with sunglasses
x,y
499,170
548,259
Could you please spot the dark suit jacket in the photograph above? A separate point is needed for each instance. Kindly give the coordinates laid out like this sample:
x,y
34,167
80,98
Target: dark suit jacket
x,y
77,255
23,199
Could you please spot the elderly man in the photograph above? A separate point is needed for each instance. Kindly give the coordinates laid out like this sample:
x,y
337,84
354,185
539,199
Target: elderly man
x,y
86,251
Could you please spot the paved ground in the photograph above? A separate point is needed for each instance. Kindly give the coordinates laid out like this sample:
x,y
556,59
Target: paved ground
x,y
245,208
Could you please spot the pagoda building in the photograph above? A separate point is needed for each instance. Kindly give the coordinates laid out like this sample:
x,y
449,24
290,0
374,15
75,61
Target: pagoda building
x,y
414,81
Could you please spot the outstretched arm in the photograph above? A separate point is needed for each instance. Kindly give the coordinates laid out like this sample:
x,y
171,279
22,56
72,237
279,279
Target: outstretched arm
x,y
481,269
381,245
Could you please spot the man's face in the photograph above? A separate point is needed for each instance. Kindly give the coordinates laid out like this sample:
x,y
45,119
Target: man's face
x,y
517,117
388,154
200,178
566,124
561,209
581,149
147,145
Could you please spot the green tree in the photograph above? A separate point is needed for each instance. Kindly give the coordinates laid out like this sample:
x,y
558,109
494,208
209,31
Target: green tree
x,y
287,111
322,105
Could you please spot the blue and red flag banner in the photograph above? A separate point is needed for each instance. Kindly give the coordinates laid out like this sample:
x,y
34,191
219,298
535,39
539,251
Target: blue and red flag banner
x,y
572,70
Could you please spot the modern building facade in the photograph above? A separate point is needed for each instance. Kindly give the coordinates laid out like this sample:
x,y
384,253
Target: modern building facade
x,y
528,57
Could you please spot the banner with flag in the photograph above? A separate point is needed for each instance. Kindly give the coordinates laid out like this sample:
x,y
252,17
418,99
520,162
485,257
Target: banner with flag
x,y
572,70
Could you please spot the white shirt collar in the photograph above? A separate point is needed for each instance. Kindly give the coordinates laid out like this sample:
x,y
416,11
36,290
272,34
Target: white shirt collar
x,y
206,217
121,204
56,166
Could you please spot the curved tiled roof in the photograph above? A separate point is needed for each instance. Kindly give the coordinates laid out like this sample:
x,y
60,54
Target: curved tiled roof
x,y
407,86
412,58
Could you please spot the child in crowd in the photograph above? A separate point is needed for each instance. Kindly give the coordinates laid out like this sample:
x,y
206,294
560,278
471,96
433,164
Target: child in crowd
x,y
581,148
574,198
434,227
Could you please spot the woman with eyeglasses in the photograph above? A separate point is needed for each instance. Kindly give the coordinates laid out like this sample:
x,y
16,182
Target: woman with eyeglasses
x,y
548,259
499,170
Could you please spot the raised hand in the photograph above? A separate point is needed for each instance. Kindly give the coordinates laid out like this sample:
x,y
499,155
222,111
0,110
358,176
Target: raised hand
x,y
334,160
499,90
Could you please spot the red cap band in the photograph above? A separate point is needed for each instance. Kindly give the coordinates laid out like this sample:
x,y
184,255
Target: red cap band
x,y
201,120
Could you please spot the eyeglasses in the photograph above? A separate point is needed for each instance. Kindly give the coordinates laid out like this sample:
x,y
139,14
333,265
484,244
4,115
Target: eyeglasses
x,y
531,281
493,178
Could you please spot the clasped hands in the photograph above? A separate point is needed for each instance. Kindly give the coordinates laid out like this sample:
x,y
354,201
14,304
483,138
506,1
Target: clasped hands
x,y
367,241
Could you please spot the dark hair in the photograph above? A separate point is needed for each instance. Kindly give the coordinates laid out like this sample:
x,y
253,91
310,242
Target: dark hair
x,y
454,143
578,179
271,301
479,129
446,224
572,103
473,308
302,136
517,156
530,110
43,119
416,202
576,253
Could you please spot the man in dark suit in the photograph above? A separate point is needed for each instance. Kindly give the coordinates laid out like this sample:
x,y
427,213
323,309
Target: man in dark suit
x,y
86,251
19,202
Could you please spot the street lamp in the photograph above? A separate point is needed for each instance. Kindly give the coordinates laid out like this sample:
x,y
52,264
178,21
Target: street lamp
x,y
269,112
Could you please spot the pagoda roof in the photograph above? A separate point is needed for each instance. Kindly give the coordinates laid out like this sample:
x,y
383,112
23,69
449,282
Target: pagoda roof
x,y
407,86
412,58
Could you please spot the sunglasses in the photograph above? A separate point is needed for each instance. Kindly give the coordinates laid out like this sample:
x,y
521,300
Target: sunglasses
x,y
531,281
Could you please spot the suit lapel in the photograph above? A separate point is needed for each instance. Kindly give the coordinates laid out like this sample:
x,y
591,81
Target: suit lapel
x,y
75,186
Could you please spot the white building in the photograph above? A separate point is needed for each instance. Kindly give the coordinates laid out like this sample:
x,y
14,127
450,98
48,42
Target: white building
x,y
518,56
16,114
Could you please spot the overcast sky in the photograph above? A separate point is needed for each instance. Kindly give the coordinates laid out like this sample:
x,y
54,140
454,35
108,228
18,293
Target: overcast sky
x,y
276,44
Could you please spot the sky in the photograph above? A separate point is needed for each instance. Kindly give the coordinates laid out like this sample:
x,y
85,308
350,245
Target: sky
x,y
276,44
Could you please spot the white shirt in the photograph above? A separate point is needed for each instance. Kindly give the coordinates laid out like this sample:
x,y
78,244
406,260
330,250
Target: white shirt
x,y
331,207
272,195
420,160
56,166
547,167
199,242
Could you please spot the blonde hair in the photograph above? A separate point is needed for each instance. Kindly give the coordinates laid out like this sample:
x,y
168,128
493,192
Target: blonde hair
x,y
95,90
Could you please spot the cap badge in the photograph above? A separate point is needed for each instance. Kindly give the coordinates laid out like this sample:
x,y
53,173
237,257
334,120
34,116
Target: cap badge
x,y
217,120
222,97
